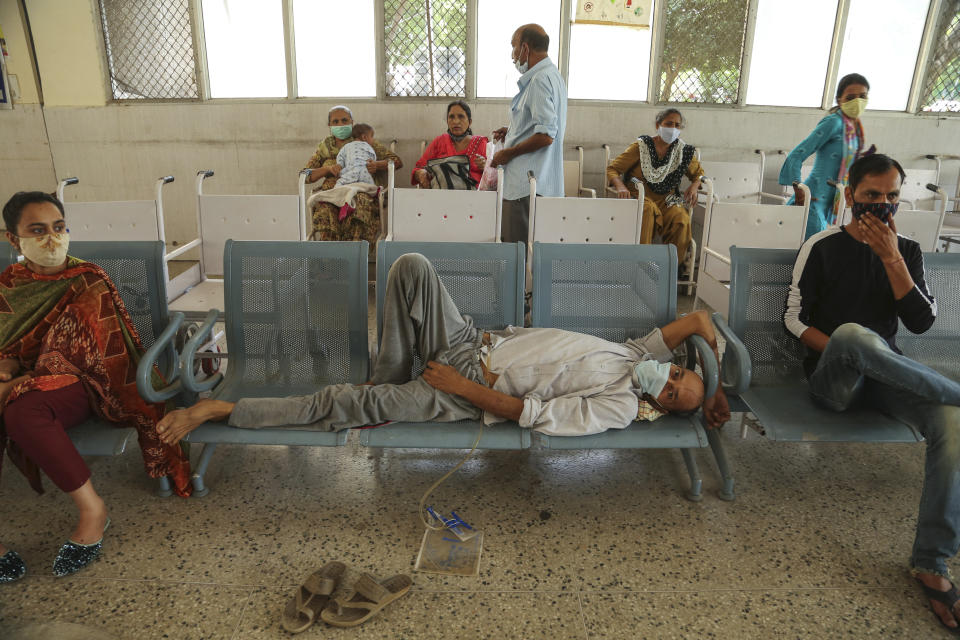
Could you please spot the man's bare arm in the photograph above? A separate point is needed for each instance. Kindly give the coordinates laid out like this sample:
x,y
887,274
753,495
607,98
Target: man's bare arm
x,y
176,424
693,324
446,378
531,144
815,339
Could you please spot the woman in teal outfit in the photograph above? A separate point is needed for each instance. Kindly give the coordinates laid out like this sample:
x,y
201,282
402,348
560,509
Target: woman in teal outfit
x,y
838,142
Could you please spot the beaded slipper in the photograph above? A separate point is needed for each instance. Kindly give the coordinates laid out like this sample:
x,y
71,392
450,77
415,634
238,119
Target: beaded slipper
x,y
12,567
74,556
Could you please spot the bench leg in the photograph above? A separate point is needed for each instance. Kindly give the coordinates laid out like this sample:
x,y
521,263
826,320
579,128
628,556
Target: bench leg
x,y
199,488
696,484
720,455
163,488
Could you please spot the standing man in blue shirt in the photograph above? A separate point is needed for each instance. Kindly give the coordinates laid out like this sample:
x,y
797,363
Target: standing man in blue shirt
x,y
534,139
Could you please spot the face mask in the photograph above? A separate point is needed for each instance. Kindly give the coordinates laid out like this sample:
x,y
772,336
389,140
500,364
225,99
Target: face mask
x,y
882,210
854,108
522,67
457,138
342,132
651,376
668,134
46,251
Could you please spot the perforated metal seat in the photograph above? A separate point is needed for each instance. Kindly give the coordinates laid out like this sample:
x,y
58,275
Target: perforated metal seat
x,y
618,292
296,320
485,281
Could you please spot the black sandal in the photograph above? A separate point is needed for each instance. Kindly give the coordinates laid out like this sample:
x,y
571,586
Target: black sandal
x,y
950,597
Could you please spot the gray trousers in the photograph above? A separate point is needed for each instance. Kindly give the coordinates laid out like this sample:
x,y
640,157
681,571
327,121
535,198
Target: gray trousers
x,y
420,323
515,220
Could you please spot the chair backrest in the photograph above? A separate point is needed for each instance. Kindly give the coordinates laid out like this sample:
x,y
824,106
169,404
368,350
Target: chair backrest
x,y
572,178
485,280
444,215
125,220
612,291
939,346
136,269
586,220
768,226
8,255
734,181
759,282
914,188
296,314
922,226
233,217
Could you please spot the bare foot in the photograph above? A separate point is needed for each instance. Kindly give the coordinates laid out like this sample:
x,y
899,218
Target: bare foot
x,y
176,424
90,526
940,583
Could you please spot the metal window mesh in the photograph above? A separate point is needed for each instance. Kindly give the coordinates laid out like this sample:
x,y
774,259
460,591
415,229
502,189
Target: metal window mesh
x,y
702,50
425,43
941,86
150,51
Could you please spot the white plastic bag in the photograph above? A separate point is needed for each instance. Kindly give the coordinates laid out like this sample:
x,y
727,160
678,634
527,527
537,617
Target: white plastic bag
x,y
488,181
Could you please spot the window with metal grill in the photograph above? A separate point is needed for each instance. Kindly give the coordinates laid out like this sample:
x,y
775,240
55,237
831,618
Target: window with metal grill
x,y
702,50
425,43
150,50
941,83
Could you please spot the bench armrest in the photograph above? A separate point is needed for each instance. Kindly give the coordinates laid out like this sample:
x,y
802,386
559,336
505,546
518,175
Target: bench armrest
x,y
204,334
708,363
737,368
149,359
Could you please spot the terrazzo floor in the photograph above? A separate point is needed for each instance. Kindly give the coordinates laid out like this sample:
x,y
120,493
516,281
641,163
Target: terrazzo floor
x,y
593,544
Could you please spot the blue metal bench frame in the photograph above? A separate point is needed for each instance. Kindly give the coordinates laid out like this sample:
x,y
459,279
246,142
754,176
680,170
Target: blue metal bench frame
x,y
468,270
618,292
311,297
762,362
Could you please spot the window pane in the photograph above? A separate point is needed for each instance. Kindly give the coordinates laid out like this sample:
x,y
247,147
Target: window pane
x,y
425,44
702,50
941,87
881,42
347,26
782,26
595,73
245,56
496,22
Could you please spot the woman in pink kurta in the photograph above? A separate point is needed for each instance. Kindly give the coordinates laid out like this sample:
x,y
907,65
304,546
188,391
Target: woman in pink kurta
x,y
457,141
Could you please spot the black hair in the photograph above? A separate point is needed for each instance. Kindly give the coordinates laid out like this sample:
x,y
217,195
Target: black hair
x,y
538,40
13,210
849,79
666,112
360,128
466,108
871,165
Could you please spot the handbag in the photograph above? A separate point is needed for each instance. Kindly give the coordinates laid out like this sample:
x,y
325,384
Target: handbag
x,y
452,172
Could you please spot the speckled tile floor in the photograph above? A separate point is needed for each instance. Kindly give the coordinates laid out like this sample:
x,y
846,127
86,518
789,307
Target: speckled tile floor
x,y
595,544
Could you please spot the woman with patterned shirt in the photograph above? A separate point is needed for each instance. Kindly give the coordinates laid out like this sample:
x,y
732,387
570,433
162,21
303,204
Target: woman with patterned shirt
x,y
660,162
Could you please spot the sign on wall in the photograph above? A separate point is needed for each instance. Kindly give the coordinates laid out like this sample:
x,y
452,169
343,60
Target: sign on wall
x,y
626,13
5,101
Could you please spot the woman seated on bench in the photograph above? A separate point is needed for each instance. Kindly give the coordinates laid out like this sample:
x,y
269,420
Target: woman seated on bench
x,y
68,352
556,382
454,160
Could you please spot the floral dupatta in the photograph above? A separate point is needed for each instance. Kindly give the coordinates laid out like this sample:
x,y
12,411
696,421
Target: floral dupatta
x,y
853,145
72,326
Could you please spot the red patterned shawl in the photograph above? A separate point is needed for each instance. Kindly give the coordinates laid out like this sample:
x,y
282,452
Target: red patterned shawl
x,y
72,326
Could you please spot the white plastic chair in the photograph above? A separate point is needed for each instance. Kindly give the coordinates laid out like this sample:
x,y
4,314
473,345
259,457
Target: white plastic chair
x,y
573,177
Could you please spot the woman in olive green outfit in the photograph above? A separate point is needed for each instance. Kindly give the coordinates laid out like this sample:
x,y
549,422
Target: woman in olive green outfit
x,y
364,224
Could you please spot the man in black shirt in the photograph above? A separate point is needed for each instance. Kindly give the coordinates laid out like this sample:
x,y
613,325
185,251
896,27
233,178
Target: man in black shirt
x,y
851,286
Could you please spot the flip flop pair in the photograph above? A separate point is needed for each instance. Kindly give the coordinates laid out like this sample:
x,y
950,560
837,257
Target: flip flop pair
x,y
313,601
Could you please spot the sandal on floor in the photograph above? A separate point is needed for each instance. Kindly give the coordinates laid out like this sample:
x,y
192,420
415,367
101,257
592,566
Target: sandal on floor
x,y
367,599
949,598
311,597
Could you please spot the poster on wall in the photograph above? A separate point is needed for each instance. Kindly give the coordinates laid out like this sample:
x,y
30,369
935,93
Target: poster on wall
x,y
4,91
624,13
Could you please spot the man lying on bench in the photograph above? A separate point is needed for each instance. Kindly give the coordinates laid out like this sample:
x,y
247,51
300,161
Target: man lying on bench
x,y
556,382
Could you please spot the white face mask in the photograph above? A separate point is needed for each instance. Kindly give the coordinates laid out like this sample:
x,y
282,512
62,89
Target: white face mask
x,y
522,67
47,251
651,376
668,134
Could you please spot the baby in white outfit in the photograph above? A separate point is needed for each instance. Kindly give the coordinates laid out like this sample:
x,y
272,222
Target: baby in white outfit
x,y
354,156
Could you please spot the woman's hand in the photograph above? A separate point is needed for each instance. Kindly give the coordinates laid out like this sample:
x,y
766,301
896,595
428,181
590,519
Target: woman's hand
x,y
376,165
798,197
8,368
690,195
622,192
479,161
423,178
334,170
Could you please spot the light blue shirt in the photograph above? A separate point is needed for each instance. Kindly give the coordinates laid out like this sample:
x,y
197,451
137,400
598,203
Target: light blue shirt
x,y
539,107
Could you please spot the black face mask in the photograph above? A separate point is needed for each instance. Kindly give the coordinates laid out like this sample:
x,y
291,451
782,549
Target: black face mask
x,y
460,137
883,211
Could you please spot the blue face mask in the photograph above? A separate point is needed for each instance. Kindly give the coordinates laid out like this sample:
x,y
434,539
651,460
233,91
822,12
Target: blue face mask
x,y
882,210
651,376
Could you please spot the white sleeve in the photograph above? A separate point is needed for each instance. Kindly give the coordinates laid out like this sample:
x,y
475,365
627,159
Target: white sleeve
x,y
578,415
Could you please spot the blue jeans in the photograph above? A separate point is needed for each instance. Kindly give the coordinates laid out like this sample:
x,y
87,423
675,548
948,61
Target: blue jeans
x,y
859,367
